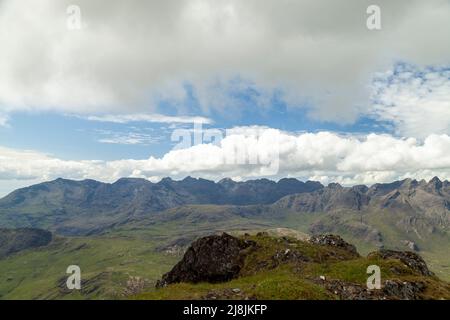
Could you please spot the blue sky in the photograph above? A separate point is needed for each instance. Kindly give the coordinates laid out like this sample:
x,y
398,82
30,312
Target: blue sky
x,y
75,137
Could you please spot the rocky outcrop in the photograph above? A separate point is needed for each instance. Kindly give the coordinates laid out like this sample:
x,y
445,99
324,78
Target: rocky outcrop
x,y
390,290
410,259
216,258
403,290
287,256
334,241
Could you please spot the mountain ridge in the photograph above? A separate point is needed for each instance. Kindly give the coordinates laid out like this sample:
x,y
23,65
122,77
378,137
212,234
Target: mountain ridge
x,y
54,203
65,206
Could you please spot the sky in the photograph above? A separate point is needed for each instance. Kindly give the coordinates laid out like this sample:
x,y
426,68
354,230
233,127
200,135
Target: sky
x,y
224,88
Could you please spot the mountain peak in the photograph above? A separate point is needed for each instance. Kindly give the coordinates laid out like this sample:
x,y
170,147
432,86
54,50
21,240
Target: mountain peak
x,y
334,185
166,180
436,180
409,183
227,181
361,188
435,184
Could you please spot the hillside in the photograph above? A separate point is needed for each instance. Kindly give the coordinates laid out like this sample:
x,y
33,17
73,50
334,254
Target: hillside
x,y
404,215
109,266
70,207
409,214
265,267
134,228
16,240
125,263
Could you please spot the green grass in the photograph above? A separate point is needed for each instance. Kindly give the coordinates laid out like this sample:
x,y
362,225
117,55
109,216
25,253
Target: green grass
x,y
277,284
35,274
354,270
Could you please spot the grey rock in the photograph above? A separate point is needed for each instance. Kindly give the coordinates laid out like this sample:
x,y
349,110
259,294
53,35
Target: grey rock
x,y
216,258
334,241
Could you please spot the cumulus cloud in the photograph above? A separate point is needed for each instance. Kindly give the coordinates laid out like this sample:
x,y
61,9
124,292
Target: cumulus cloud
x,y
415,100
322,156
131,55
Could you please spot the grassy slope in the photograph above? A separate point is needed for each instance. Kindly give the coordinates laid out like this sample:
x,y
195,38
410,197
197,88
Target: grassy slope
x,y
291,281
108,260
132,251
35,274
279,284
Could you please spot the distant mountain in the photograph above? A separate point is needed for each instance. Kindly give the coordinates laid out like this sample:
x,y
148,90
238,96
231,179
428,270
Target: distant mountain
x,y
409,214
80,207
425,204
402,213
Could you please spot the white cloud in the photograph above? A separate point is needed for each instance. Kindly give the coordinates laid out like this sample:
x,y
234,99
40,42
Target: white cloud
x,y
140,117
4,120
132,54
131,137
322,156
31,165
416,101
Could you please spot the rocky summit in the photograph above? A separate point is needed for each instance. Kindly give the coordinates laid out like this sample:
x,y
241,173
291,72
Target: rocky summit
x,y
324,267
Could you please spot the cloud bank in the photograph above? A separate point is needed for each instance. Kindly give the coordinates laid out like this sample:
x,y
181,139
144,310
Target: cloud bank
x,y
130,55
322,156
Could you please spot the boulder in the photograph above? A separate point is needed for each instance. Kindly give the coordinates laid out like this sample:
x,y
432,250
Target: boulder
x,y
216,258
